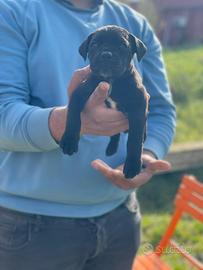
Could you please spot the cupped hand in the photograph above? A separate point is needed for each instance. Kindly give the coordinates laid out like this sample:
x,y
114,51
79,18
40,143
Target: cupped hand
x,y
116,176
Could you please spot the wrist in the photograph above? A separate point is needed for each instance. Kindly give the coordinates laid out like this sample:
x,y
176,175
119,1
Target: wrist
x,y
57,122
149,153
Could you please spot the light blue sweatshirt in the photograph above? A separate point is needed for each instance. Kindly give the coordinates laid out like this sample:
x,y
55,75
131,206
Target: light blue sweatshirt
x,y
39,42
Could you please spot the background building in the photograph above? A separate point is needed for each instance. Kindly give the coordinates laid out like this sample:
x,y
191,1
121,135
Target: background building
x,y
176,22
180,21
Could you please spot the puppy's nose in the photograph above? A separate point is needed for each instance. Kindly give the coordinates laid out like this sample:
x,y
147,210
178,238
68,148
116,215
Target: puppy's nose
x,y
106,55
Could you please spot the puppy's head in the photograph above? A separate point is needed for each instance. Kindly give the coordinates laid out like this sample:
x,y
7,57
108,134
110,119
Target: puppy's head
x,y
110,50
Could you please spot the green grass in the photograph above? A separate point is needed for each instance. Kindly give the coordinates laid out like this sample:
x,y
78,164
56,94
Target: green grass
x,y
185,72
189,121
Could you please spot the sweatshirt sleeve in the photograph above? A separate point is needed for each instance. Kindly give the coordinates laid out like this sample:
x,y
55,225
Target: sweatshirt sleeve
x,y
162,115
23,127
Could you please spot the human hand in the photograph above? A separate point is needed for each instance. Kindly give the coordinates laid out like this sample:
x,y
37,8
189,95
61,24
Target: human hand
x,y
96,118
116,176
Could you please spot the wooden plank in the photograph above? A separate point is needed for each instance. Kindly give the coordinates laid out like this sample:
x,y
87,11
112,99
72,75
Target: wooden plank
x,y
186,156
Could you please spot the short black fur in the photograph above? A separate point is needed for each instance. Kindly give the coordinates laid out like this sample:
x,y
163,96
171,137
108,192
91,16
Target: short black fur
x,y
110,51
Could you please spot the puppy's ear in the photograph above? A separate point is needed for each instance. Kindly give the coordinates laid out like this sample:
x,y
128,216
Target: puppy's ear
x,y
137,46
83,49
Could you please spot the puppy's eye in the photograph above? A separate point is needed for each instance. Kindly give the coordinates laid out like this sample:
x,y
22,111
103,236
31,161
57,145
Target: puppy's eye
x,y
94,45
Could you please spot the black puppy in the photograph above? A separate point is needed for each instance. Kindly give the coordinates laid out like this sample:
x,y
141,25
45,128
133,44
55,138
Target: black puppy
x,y
110,51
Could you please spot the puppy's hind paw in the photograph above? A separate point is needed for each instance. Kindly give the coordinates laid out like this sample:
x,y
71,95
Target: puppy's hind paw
x,y
69,145
113,145
131,169
110,150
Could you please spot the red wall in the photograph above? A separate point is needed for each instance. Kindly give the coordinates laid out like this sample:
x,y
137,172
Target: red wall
x,y
172,34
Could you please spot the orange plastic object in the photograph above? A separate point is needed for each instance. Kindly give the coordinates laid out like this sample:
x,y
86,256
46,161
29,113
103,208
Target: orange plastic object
x,y
150,261
189,199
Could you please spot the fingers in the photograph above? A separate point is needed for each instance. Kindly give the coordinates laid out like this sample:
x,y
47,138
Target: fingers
x,y
101,166
152,164
141,179
99,95
116,177
158,166
108,130
101,113
111,115
78,77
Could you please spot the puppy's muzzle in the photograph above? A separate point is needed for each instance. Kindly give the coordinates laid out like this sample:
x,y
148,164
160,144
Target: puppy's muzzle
x,y
106,55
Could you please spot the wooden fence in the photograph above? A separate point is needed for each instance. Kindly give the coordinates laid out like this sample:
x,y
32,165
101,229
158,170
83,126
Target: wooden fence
x,y
186,156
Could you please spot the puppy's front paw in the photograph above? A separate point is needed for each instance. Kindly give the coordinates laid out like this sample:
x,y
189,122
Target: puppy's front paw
x,y
69,144
131,168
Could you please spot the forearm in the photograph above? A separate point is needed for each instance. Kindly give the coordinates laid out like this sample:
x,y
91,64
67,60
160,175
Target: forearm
x,y
25,128
160,129
57,122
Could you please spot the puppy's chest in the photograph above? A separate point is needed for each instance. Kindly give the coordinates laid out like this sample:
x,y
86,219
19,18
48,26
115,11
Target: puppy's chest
x,y
109,101
120,98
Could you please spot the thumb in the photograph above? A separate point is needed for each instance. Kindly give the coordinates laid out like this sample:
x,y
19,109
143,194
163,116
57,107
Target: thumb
x,y
159,165
78,77
99,94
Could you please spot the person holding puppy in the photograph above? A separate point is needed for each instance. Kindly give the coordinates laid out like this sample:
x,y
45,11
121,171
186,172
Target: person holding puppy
x,y
59,212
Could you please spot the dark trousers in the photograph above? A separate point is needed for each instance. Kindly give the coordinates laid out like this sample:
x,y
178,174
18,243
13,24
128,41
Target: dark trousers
x,y
35,242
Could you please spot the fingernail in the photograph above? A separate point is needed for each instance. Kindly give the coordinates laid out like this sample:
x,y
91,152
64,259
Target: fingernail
x,y
94,165
88,68
104,86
